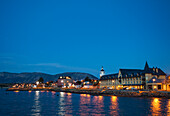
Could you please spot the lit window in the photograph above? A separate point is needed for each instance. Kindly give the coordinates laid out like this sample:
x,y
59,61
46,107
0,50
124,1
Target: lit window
x,y
154,80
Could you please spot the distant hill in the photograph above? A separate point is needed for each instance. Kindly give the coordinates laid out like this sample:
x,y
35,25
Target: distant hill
x,y
6,77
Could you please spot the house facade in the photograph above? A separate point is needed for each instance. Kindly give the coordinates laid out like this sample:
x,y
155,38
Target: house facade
x,y
147,78
65,81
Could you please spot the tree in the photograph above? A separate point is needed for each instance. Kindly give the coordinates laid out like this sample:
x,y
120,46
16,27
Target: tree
x,y
87,79
41,80
78,82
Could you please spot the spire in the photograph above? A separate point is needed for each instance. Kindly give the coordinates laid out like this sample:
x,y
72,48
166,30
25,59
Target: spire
x,y
102,72
146,66
102,69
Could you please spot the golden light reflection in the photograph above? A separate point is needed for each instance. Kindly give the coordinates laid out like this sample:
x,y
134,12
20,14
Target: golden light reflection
x,y
155,106
29,91
85,101
98,105
88,95
168,107
62,94
61,104
16,91
36,107
113,98
83,95
69,94
114,106
53,92
68,107
100,97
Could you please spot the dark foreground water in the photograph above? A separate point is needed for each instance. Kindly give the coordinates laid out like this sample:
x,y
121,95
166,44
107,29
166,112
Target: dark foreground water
x,y
41,103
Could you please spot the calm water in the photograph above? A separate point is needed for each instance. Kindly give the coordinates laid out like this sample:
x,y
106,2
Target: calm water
x,y
41,103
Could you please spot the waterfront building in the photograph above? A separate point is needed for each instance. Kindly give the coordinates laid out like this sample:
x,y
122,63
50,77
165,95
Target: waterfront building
x,y
77,85
147,78
65,81
88,86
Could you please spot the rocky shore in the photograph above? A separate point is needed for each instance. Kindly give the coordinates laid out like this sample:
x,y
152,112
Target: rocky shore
x,y
121,93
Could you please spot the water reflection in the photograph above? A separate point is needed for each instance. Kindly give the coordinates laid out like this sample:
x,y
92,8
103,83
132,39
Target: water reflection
x,y
36,107
168,107
155,106
84,102
61,104
114,106
68,103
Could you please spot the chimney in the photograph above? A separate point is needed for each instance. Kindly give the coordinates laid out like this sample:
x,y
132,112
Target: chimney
x,y
156,70
153,69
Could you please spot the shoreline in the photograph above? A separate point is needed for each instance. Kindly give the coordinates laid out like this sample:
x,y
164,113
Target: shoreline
x,y
99,92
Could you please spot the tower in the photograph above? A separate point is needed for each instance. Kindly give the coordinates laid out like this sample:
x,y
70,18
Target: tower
x,y
102,72
146,66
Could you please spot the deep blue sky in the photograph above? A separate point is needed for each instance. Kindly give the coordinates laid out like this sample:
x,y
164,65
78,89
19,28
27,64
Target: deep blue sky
x,y
81,36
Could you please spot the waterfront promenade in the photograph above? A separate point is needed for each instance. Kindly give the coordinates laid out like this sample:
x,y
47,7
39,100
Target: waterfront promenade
x,y
103,92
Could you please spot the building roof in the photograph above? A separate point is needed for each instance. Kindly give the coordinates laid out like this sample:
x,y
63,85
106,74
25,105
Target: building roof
x,y
109,76
134,72
102,69
130,71
146,66
151,70
155,80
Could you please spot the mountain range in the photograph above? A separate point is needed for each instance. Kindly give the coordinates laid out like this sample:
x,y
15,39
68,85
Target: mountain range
x,y
27,77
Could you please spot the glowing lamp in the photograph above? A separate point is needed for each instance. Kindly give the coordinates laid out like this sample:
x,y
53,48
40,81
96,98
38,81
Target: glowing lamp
x,y
37,82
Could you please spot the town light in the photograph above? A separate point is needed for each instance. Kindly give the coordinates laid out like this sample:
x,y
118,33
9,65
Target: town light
x,y
113,81
62,81
37,82
154,80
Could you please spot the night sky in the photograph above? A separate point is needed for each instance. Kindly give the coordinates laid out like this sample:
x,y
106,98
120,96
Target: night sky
x,y
55,36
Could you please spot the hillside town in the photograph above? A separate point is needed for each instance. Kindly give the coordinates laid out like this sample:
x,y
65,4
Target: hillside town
x,y
126,79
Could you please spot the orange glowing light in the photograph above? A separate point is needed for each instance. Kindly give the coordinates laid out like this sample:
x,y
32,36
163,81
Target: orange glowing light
x,y
100,97
88,95
155,106
114,98
29,91
156,100
53,91
68,93
83,95
16,91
